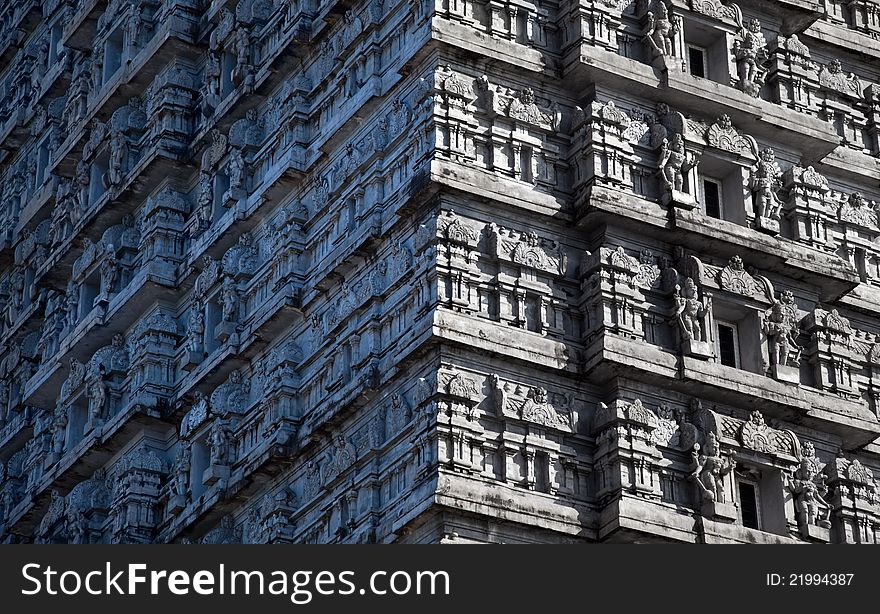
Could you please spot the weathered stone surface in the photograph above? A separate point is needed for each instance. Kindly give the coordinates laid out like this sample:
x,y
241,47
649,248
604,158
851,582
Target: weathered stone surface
x,y
299,280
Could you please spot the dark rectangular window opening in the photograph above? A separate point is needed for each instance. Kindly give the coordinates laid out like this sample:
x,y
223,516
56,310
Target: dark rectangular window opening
x,y
748,501
727,345
697,61
712,198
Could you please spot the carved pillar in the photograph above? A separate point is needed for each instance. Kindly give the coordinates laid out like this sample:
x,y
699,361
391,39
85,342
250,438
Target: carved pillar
x,y
626,456
854,501
152,373
831,352
135,505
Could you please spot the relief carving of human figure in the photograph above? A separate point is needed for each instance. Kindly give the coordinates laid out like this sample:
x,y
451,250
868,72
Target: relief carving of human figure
x,y
181,469
218,439
689,311
235,169
4,402
750,51
109,269
71,299
765,181
229,300
807,484
205,201
118,148
673,162
98,394
661,30
781,328
59,426
195,329
709,469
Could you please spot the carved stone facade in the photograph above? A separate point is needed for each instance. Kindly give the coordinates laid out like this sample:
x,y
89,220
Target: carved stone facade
x,y
380,271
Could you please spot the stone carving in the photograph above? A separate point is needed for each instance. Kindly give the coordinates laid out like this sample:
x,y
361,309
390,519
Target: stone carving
x,y
59,430
756,435
765,182
528,249
218,440
197,414
722,135
734,278
109,270
781,327
229,301
717,9
235,170
232,396
181,469
343,458
661,30
708,468
690,316
538,409
195,329
833,77
750,51
207,278
673,162
99,396
667,432
807,485
204,208
118,153
857,210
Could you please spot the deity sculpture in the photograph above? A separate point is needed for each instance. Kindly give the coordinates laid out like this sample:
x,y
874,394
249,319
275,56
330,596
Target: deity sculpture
x,y
98,394
750,51
807,485
229,300
205,203
109,270
689,311
709,469
4,401
181,469
674,162
765,181
115,169
661,30
195,329
59,426
235,169
218,439
781,328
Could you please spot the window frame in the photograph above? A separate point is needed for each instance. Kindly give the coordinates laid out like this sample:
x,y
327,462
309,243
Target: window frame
x,y
736,349
756,489
704,54
702,195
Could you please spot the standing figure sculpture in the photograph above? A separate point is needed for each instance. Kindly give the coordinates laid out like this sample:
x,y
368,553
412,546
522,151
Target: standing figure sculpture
x,y
781,328
181,469
661,30
807,485
229,300
689,311
218,439
673,162
766,180
109,270
709,469
98,395
59,427
195,330
750,51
